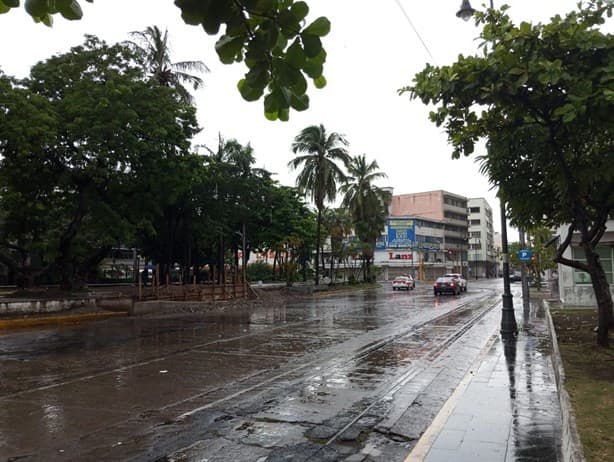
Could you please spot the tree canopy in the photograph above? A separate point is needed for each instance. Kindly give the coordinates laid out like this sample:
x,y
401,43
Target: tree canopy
x,y
84,140
280,49
542,95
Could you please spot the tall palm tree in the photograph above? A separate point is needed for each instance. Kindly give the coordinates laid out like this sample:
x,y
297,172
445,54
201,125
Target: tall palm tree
x,y
153,47
318,153
368,205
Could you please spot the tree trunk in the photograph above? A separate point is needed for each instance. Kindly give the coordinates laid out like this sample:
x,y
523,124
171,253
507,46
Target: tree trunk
x,y
317,265
602,295
64,258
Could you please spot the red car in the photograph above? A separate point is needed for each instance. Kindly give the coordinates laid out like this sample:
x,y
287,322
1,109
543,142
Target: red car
x,y
446,285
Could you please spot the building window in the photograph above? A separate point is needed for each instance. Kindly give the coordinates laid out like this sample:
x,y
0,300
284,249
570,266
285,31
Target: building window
x,y
475,234
474,209
605,255
475,222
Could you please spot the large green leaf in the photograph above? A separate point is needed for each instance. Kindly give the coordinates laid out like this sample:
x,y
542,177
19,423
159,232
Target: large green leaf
x,y
311,44
320,27
295,55
300,102
249,92
313,69
72,12
10,3
300,86
320,81
36,8
192,11
229,48
299,10
286,75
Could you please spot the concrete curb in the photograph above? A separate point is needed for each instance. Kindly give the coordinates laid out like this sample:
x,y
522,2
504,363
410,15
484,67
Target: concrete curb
x,y
60,319
571,445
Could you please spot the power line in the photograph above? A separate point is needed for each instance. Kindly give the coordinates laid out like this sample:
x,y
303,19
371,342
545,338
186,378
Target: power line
x,y
415,30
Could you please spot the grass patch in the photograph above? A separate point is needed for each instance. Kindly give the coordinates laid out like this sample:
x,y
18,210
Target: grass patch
x,y
589,372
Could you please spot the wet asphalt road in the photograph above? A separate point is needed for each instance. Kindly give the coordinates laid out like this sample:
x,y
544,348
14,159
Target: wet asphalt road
x,y
356,375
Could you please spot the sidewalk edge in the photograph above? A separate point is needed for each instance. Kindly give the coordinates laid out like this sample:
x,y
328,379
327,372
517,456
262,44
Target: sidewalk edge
x,y
571,444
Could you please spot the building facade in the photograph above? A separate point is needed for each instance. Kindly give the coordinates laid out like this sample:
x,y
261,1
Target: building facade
x,y
575,286
426,234
481,254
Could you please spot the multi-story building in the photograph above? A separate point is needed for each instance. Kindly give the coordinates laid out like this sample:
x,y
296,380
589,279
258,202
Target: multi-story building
x,y
481,254
427,233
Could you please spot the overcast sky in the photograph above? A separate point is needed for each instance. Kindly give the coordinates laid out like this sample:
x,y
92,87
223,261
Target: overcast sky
x,y
372,52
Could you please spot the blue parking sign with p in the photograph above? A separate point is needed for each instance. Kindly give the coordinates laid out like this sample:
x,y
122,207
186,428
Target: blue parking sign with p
x,y
524,255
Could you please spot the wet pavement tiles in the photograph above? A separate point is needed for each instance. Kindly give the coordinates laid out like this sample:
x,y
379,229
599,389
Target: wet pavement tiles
x,y
509,410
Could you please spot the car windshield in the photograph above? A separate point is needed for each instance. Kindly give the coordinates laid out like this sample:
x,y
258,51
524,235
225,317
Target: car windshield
x,y
445,279
401,278
454,275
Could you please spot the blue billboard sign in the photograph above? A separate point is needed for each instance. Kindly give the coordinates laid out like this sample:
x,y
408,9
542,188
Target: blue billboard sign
x,y
401,233
429,242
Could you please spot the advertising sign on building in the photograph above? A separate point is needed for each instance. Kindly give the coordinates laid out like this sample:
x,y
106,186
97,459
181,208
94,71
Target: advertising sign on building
x,y
401,233
429,243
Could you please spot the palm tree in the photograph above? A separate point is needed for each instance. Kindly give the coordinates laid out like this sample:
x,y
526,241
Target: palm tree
x,y
153,47
368,205
318,154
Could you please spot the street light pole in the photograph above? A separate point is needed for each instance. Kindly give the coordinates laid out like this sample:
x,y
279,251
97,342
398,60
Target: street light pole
x,y
508,319
509,327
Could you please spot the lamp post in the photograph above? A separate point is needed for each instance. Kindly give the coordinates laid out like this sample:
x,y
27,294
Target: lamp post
x,y
242,233
509,328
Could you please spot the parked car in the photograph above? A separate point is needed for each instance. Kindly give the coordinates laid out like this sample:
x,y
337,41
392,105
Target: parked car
x,y
515,276
460,278
403,283
446,285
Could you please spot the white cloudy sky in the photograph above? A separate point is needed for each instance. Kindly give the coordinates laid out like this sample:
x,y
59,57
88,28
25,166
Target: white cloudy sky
x,y
372,51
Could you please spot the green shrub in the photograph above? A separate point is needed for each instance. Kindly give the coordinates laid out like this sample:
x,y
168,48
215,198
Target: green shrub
x,y
259,271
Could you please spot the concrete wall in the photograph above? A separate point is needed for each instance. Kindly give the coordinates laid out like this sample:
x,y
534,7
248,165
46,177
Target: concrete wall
x,y
27,307
580,295
426,204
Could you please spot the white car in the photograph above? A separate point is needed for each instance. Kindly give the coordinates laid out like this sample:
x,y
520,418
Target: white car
x,y
462,282
403,283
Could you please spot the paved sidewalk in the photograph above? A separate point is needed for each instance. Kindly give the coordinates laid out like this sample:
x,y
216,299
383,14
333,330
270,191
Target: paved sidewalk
x,y
507,409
